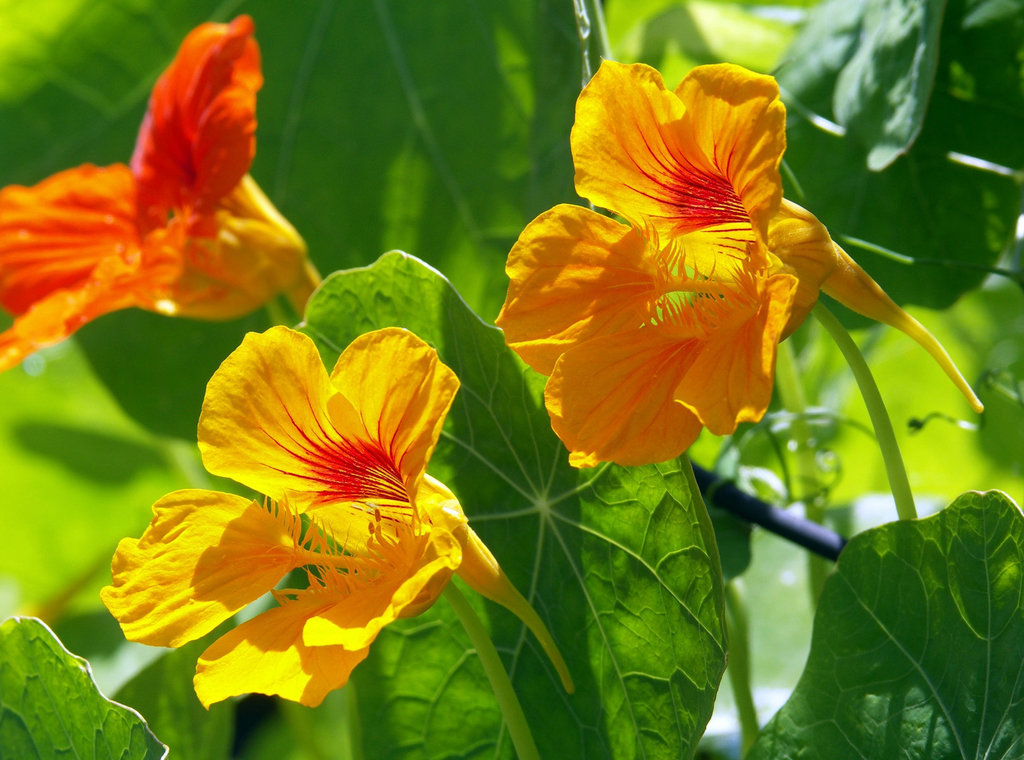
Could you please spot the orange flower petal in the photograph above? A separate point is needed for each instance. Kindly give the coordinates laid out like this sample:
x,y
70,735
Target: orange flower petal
x,y
738,123
265,423
730,377
702,161
402,391
804,247
611,399
574,274
53,235
118,281
624,144
197,139
266,655
204,556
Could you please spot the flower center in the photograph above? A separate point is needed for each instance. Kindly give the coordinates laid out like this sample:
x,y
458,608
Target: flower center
x,y
695,304
699,199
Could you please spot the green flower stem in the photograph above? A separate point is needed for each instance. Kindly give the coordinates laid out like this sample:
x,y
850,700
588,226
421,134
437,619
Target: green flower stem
x,y
739,663
898,482
511,710
791,393
590,19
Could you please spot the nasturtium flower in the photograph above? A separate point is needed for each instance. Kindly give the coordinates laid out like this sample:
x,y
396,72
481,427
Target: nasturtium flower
x,y
642,346
652,330
183,231
703,162
341,460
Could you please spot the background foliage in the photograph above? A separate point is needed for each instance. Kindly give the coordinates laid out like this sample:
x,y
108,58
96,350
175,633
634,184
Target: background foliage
x,y
441,129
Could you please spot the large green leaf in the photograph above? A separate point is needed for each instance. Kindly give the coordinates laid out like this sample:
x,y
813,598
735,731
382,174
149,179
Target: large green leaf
x,y
929,204
918,644
50,706
619,562
883,90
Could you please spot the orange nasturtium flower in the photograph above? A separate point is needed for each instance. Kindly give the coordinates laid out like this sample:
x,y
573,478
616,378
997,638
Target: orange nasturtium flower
x,y
342,460
651,330
183,231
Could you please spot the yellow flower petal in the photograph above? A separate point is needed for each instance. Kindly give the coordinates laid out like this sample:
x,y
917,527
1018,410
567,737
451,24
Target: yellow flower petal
x,y
265,423
701,161
611,399
804,247
266,655
407,577
730,379
574,274
255,255
204,556
398,570
738,123
402,392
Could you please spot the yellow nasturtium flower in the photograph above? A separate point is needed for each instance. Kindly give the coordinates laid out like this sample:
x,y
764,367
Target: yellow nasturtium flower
x,y
342,461
649,331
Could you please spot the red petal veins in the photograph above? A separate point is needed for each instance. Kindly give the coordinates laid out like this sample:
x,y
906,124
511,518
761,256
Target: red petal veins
x,y
699,199
340,469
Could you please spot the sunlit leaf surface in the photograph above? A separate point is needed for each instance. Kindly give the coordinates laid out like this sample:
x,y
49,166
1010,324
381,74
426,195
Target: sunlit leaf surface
x,y
883,91
50,706
918,644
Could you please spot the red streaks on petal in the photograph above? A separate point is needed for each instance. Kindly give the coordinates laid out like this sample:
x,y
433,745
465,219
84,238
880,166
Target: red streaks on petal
x,y
696,198
340,469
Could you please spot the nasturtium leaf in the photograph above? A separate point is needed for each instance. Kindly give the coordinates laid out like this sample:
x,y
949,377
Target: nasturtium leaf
x,y
163,692
918,644
931,204
732,536
882,92
50,706
619,562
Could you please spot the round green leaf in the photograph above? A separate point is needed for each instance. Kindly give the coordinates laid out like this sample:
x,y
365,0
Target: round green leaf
x,y
918,644
50,706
